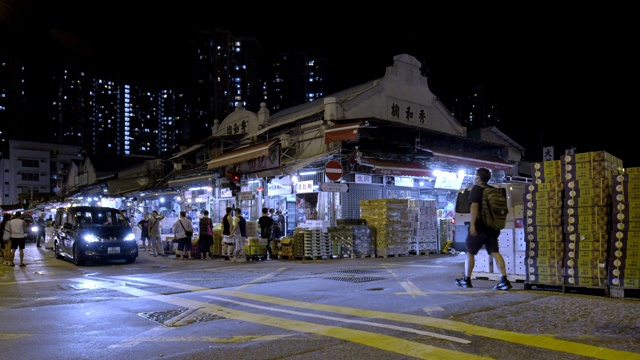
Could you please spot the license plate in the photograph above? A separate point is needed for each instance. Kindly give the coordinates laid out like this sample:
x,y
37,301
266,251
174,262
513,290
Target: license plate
x,y
113,250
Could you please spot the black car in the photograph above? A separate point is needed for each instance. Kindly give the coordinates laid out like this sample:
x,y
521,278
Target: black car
x,y
32,228
93,233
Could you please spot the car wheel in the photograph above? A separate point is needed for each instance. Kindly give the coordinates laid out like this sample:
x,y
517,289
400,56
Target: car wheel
x,y
76,257
130,259
56,250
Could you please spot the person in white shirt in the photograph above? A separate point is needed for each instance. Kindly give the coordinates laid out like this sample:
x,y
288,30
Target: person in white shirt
x,y
180,229
18,238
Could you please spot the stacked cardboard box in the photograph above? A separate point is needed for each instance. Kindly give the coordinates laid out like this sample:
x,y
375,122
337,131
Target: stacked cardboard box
x,y
423,222
390,218
624,256
543,220
587,213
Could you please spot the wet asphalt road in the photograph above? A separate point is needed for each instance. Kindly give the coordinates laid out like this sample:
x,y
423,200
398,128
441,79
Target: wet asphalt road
x,y
369,308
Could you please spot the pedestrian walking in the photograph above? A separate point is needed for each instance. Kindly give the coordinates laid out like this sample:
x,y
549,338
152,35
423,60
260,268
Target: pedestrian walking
x,y
183,231
205,235
155,239
41,225
266,224
143,225
239,233
228,243
18,238
481,235
6,238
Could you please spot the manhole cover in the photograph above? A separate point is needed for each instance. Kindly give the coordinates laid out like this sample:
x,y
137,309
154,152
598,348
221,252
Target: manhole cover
x,y
355,279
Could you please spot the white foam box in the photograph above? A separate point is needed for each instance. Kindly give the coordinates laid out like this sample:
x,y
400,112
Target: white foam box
x,y
521,263
505,239
482,262
520,240
509,263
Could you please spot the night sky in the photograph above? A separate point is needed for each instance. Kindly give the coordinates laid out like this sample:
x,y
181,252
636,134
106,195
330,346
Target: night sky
x,y
562,77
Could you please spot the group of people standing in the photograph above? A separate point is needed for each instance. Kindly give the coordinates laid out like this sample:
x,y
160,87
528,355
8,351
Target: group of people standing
x,y
234,227
14,236
271,228
150,233
234,233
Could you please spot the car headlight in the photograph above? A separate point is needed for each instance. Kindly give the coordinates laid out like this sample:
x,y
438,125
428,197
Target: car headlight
x,y
34,229
130,237
90,238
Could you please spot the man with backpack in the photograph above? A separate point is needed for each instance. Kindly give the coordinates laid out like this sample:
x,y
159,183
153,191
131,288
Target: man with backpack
x,y
481,234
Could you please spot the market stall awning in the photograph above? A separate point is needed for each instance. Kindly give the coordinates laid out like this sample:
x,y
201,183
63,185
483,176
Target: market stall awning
x,y
291,166
389,167
345,132
469,159
122,186
186,151
192,181
240,155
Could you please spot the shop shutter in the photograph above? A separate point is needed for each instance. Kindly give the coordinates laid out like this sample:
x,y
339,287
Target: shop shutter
x,y
351,199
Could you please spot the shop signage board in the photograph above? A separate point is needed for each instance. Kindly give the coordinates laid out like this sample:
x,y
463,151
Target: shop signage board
x,y
333,170
246,195
334,187
304,186
283,186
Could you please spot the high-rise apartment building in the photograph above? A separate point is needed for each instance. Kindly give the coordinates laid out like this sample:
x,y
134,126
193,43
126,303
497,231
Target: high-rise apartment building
x,y
13,98
115,116
295,78
225,73
112,115
475,108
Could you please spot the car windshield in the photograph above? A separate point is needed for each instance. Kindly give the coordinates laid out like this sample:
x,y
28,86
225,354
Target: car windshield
x,y
100,217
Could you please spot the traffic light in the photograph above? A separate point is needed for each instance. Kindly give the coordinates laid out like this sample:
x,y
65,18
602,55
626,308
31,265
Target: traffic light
x,y
234,178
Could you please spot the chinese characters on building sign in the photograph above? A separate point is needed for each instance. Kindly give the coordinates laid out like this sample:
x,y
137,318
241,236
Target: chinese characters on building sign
x,y
408,113
363,179
304,186
237,128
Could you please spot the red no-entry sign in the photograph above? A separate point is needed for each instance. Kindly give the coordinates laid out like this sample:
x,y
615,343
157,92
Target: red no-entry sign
x,y
333,170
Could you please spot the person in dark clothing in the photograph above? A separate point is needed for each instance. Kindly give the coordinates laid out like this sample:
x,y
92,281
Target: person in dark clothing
x,y
41,225
266,224
227,239
205,235
277,217
480,234
143,225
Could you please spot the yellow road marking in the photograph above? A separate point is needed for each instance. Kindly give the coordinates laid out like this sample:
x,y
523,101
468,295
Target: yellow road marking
x,y
333,318
540,341
378,341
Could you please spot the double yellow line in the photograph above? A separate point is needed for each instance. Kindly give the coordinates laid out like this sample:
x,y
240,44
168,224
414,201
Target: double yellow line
x,y
372,339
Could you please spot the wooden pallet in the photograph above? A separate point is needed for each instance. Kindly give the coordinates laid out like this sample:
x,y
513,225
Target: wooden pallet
x,y
430,252
318,257
572,289
361,256
384,256
496,277
619,292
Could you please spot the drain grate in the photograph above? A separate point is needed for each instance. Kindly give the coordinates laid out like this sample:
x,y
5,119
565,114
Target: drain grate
x,y
355,279
179,317
360,271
